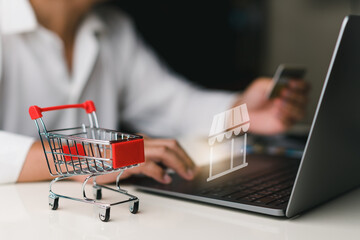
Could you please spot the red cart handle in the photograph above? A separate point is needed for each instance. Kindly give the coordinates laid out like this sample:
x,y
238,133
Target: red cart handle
x,y
35,111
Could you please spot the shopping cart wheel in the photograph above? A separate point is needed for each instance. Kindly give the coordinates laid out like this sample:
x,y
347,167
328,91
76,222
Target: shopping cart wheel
x,y
104,214
53,202
97,192
134,207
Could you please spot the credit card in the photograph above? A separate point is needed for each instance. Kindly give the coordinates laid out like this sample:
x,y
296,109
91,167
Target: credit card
x,y
282,76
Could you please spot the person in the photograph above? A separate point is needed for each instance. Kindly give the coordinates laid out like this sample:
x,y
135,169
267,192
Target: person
x,y
60,52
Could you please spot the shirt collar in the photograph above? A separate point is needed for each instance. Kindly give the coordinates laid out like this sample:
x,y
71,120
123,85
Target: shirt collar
x,y
17,16
94,23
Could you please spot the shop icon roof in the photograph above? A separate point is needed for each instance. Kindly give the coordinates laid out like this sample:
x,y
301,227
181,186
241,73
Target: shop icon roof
x,y
231,122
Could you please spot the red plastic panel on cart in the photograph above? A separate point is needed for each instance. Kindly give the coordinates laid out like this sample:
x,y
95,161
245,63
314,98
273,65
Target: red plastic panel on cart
x,y
73,151
128,153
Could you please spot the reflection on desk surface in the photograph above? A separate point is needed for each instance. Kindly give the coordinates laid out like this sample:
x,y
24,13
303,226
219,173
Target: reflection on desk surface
x,y
25,214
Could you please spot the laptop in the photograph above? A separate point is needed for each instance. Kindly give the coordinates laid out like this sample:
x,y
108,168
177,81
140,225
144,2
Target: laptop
x,y
329,165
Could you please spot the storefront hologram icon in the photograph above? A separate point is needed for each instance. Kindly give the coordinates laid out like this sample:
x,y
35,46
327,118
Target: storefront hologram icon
x,y
227,139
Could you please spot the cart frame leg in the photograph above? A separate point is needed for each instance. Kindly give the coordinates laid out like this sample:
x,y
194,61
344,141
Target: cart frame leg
x,y
104,208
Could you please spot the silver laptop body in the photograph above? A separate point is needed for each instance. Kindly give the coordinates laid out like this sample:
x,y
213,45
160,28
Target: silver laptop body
x,y
331,161
330,164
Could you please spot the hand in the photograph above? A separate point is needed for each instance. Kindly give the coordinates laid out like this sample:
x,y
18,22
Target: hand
x,y
159,154
273,116
166,152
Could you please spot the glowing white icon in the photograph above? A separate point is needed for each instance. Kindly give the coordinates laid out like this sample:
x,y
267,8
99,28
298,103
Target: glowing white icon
x,y
229,128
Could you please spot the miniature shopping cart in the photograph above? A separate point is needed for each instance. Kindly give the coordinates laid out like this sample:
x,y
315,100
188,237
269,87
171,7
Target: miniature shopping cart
x,y
88,150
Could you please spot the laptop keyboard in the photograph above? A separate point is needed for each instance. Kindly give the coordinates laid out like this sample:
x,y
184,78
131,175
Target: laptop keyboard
x,y
265,189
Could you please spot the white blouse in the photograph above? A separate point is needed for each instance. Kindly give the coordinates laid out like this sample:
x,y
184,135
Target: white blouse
x,y
111,66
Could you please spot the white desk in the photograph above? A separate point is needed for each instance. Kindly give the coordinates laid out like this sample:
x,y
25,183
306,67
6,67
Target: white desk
x,y
25,215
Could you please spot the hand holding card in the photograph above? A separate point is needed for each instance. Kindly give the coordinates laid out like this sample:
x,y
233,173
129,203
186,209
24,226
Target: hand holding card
x,y
282,76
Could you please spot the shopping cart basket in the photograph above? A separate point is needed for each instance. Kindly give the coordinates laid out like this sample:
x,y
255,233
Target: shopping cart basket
x,y
88,150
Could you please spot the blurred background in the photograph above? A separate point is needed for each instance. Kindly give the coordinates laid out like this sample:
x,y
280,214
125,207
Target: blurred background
x,y
227,43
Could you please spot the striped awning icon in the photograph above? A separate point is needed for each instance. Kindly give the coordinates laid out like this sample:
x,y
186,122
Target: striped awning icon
x,y
231,122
